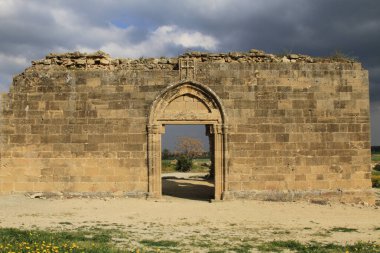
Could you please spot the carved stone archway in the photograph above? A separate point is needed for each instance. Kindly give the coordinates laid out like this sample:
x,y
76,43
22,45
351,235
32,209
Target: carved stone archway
x,y
187,103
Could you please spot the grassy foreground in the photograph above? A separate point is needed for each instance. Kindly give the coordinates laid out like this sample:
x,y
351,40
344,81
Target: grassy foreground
x,y
111,240
15,240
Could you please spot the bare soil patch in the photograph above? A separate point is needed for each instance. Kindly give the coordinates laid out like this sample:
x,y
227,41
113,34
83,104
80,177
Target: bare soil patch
x,y
196,223
193,186
185,219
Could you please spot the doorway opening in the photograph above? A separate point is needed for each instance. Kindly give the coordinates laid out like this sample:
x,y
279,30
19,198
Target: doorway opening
x,y
187,169
188,103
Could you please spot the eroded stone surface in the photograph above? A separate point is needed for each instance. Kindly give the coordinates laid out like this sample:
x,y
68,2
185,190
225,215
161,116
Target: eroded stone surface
x,y
101,60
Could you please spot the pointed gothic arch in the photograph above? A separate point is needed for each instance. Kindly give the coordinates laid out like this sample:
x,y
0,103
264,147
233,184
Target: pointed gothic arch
x,y
187,102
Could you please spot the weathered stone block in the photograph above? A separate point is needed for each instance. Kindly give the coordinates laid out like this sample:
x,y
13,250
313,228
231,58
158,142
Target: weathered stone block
x,y
17,138
79,138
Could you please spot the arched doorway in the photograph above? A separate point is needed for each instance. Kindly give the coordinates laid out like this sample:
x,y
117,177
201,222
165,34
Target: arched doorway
x,y
187,103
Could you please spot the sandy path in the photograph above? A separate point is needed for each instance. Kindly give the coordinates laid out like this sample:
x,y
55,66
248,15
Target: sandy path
x,y
178,218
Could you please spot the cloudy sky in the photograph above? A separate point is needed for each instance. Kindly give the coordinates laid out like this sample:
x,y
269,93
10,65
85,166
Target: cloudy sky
x,y
30,29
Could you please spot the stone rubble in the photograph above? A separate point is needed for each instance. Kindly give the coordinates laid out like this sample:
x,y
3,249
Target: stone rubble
x,y
102,60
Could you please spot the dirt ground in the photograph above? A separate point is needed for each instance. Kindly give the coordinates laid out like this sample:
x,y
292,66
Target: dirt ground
x,y
178,218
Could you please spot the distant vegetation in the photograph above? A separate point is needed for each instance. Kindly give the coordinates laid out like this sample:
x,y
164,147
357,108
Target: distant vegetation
x,y
342,57
198,165
375,151
188,149
168,155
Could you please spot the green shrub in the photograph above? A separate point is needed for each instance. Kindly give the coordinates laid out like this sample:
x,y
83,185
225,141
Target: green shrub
x,y
375,181
168,165
184,163
377,167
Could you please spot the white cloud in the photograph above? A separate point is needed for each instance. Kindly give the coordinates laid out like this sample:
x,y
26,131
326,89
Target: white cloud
x,y
31,29
10,64
187,39
7,8
159,42
13,60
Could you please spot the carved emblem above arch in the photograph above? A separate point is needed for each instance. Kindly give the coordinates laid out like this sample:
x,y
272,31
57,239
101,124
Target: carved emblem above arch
x,y
187,101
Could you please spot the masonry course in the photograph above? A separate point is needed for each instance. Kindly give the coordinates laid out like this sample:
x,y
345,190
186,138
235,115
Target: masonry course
x,y
282,127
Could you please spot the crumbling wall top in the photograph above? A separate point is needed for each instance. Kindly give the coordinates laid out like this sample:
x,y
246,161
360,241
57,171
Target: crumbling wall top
x,y
101,60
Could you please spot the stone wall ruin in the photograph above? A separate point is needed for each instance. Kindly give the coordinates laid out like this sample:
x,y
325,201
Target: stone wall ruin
x,y
284,127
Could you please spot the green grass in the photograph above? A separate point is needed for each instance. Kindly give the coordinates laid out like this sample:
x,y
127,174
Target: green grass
x,y
97,239
316,247
17,240
375,155
160,243
65,223
200,160
281,232
244,247
167,166
375,177
343,229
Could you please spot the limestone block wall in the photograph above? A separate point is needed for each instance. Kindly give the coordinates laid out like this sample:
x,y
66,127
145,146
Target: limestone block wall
x,y
298,127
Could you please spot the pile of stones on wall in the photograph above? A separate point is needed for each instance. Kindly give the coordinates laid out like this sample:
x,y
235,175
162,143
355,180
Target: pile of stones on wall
x,y
294,126
101,60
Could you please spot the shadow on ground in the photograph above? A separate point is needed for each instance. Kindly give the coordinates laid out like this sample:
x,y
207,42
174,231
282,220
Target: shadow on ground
x,y
192,188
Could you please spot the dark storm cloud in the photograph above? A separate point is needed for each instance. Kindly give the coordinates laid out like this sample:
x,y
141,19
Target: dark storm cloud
x,y
31,29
